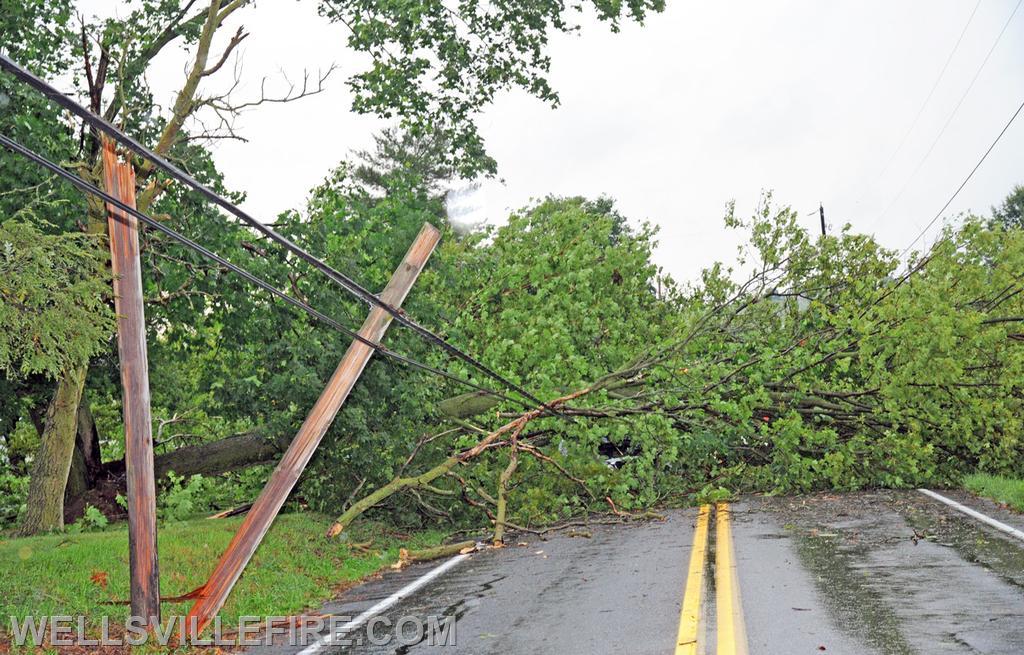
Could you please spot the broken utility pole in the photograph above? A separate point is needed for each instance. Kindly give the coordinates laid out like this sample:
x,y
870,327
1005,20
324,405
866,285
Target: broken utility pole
x,y
212,595
119,178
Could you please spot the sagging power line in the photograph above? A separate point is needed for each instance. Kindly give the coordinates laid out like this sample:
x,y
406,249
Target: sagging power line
x,y
334,275
966,180
88,188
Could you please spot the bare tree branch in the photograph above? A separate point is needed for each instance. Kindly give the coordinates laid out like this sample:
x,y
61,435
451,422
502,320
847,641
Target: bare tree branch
x,y
239,36
221,104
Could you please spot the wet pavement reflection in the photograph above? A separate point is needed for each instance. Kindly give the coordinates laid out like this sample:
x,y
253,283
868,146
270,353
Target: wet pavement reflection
x,y
900,574
886,572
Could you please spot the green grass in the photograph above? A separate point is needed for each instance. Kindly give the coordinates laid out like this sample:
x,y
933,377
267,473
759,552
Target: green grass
x,y
1009,491
295,568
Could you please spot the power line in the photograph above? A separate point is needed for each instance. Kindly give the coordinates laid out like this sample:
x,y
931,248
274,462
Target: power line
x,y
89,188
336,276
966,180
952,115
935,86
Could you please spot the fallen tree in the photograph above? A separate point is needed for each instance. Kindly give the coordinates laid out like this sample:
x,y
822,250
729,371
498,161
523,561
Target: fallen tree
x,y
826,368
235,452
246,449
423,481
208,459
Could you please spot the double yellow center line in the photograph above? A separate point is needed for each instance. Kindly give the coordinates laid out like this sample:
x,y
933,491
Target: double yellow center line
x,y
731,636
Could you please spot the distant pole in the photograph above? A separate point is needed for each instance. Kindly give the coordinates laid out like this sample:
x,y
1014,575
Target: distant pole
x,y
283,479
821,212
119,178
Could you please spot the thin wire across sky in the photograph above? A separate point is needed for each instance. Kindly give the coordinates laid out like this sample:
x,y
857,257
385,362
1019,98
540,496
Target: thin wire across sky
x,y
949,119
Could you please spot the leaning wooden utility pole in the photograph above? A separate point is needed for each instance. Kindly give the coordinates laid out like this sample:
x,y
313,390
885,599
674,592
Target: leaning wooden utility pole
x,y
212,595
119,178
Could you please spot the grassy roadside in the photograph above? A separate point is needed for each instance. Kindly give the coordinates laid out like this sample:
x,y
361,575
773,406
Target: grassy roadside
x,y
1008,491
295,568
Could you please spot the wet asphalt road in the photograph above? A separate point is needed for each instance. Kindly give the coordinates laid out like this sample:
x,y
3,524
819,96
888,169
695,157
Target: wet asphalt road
x,y
890,573
858,574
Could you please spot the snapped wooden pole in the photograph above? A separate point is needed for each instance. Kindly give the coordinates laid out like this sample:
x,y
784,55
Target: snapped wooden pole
x,y
213,594
119,178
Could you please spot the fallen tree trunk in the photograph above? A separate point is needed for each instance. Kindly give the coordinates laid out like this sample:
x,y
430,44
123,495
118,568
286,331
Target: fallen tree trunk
x,y
468,405
427,554
388,490
229,454
502,510
513,428
252,448
234,511
220,456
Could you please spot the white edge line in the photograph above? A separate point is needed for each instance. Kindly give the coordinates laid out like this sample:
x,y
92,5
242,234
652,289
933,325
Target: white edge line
x,y
998,525
410,588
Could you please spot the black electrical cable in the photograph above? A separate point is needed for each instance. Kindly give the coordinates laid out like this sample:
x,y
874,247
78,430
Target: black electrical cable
x,y
346,282
88,188
966,180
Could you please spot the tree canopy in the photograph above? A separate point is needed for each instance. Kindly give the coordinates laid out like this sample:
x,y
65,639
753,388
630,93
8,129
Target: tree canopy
x,y
436,65
1011,212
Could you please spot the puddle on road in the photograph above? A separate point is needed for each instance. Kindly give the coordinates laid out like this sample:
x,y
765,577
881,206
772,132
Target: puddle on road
x,y
856,607
958,589
468,598
973,543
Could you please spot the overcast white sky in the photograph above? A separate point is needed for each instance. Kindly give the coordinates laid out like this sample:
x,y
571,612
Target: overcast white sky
x,y
708,102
